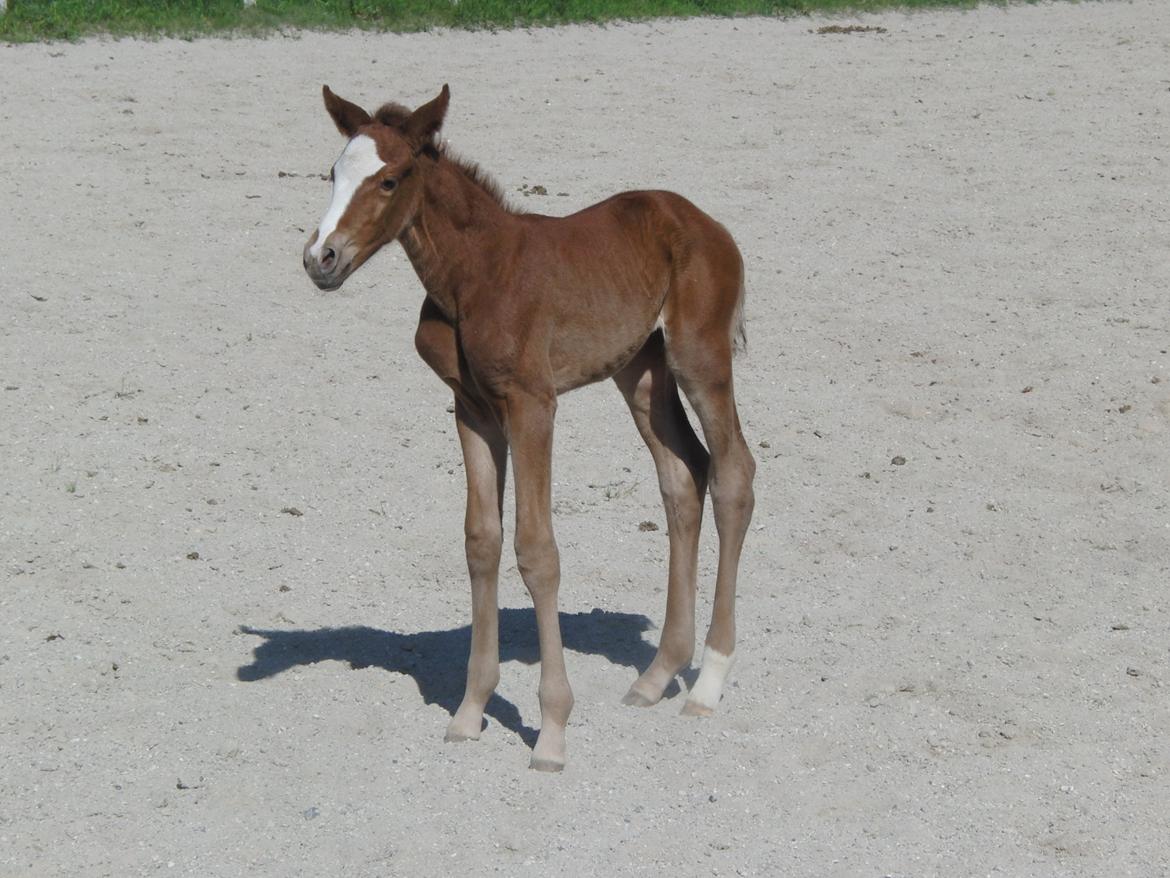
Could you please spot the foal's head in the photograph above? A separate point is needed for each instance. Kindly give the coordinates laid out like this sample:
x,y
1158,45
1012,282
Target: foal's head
x,y
376,190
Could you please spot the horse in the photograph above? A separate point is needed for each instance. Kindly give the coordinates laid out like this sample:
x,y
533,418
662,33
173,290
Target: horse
x,y
643,288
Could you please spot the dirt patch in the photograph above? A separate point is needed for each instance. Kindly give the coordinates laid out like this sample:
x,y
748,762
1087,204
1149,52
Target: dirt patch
x,y
851,29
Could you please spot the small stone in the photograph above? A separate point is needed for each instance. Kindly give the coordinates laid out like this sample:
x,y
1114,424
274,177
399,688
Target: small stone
x,y
898,460
1133,672
293,511
192,556
647,525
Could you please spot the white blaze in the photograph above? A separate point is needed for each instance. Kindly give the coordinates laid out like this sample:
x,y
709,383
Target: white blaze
x,y
359,160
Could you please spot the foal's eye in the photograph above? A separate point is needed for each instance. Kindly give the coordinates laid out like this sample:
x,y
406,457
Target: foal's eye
x,y
388,184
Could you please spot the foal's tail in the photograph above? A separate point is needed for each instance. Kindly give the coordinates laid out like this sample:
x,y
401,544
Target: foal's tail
x,y
738,320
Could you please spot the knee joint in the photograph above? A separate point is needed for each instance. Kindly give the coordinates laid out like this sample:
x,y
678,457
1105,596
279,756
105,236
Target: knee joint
x,y
538,560
483,543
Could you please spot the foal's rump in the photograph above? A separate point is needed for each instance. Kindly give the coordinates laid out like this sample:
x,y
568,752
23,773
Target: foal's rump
x,y
625,266
704,302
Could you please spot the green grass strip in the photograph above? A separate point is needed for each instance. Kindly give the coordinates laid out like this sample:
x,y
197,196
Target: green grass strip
x,y
30,20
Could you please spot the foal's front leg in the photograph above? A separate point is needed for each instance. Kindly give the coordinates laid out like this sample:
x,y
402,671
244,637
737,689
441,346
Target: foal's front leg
x,y
529,420
485,454
485,461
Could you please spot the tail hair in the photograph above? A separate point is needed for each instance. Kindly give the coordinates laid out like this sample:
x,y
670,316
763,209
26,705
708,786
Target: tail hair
x,y
739,321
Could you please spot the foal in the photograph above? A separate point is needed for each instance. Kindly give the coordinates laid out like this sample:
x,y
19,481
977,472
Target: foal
x,y
643,287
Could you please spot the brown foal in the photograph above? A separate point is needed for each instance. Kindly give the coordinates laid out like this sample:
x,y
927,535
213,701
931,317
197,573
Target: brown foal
x,y
643,287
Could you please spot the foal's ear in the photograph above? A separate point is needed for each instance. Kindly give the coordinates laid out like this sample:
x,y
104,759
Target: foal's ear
x,y
426,121
346,116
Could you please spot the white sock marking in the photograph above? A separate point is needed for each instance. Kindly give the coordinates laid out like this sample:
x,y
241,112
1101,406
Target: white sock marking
x,y
709,686
359,160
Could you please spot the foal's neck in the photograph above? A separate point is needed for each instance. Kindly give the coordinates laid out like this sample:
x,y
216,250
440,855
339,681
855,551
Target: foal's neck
x,y
456,234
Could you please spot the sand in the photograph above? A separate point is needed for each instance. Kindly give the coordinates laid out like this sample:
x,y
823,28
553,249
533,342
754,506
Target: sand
x,y
233,603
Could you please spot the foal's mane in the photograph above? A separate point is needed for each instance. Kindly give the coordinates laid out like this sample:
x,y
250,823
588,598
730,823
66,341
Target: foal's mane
x,y
395,115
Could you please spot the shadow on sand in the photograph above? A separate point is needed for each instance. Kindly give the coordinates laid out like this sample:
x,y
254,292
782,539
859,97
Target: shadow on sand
x,y
437,660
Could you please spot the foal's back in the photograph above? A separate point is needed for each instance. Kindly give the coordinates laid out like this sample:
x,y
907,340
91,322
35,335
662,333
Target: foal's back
x,y
608,275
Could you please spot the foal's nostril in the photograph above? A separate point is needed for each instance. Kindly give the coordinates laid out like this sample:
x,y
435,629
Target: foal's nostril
x,y
328,258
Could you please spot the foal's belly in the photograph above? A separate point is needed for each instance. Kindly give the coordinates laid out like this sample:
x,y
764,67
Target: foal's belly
x,y
603,276
583,355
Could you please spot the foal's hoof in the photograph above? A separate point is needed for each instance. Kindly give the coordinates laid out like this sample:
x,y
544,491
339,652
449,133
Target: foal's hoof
x,y
546,765
633,698
693,708
457,731
458,737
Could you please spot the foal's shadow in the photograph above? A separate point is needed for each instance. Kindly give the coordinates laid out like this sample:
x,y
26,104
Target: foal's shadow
x,y
437,660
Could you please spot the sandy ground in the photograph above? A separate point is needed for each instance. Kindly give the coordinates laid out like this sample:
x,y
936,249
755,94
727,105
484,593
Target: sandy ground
x,y
956,235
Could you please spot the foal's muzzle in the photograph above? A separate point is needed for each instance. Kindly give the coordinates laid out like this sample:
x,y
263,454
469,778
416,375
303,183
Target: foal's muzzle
x,y
329,268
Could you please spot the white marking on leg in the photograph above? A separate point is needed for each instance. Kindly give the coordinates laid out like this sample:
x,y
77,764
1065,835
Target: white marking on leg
x,y
709,686
358,162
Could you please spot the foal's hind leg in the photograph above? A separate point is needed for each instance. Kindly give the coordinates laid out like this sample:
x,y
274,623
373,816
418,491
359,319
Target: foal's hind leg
x,y
681,461
732,499
699,354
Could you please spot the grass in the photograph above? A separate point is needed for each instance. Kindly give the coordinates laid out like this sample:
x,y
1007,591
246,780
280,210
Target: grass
x,y
30,20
